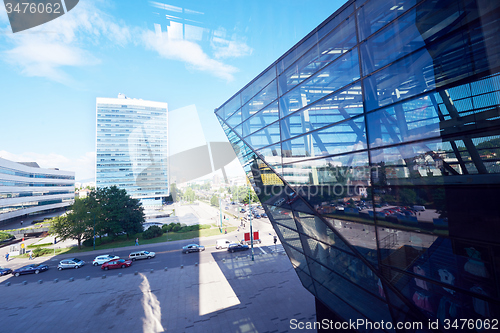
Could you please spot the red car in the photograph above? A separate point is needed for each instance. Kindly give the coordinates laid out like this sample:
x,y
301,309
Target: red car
x,y
116,263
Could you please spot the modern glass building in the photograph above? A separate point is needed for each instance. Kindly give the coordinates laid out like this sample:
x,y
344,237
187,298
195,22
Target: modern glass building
x,y
27,189
373,145
131,148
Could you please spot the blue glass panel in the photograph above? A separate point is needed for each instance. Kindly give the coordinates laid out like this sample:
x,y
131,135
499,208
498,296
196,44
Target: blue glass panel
x,y
231,106
416,119
235,119
258,84
340,306
332,109
330,48
261,119
338,42
297,52
363,301
272,156
338,74
335,21
314,227
337,170
337,139
262,99
375,14
264,137
297,259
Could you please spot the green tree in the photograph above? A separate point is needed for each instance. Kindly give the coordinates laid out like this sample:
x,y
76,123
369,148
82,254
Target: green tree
x,y
175,192
214,200
74,225
189,195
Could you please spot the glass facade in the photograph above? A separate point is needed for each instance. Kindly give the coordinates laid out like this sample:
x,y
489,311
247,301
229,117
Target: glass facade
x,y
374,147
26,189
131,148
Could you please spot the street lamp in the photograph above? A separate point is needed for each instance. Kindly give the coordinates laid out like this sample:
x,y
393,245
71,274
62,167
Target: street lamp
x,y
94,230
250,216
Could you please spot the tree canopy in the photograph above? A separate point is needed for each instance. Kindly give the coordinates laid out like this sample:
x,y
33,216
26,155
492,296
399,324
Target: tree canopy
x,y
109,211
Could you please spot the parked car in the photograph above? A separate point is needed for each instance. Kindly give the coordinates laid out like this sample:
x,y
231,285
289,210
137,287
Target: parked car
x,y
193,248
5,271
141,255
30,269
237,247
70,263
263,215
116,263
222,244
99,260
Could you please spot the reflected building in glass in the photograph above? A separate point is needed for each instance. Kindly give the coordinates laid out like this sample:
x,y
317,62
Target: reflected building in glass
x,y
131,148
373,145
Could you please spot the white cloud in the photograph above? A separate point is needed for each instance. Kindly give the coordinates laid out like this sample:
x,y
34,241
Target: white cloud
x,y
83,166
46,50
188,52
230,48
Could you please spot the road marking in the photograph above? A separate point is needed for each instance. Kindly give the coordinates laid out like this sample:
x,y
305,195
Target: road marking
x,y
262,250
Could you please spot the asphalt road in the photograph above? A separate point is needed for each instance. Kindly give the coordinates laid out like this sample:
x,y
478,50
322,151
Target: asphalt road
x,y
167,255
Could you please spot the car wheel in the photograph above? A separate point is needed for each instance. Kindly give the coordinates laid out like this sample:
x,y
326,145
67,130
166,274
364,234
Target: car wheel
x,y
106,268
17,274
149,257
59,268
95,264
37,271
76,267
123,266
134,259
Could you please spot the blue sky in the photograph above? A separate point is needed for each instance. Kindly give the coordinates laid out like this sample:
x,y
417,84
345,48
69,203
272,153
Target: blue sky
x,y
206,51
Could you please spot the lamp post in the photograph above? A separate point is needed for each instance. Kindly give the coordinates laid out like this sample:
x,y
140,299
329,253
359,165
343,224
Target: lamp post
x,y
94,230
250,216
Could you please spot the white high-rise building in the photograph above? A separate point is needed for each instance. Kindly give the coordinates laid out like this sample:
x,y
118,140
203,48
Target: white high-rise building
x,y
132,148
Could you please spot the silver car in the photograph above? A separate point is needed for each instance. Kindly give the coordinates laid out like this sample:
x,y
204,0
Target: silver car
x,y
70,263
141,255
99,260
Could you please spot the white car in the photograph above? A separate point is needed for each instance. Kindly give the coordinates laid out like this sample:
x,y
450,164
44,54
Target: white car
x,y
222,244
99,260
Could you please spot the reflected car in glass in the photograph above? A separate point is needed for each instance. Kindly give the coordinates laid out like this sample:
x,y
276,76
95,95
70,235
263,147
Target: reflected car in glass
x,y
237,247
70,263
116,263
5,271
99,260
30,269
193,248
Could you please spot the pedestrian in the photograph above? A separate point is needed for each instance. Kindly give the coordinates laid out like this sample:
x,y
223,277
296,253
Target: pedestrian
x,y
225,231
31,255
21,222
137,242
7,256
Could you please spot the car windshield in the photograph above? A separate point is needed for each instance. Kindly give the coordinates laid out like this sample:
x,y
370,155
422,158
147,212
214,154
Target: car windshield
x,y
146,252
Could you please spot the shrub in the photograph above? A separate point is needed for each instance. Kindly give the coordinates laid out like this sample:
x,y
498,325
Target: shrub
x,y
40,251
38,245
176,227
152,232
4,236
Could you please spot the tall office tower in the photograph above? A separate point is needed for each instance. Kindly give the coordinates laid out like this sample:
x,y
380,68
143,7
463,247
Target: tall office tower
x,y
132,148
383,127
26,189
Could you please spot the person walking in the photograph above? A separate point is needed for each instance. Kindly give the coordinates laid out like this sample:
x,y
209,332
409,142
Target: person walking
x,y
31,255
7,256
137,242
